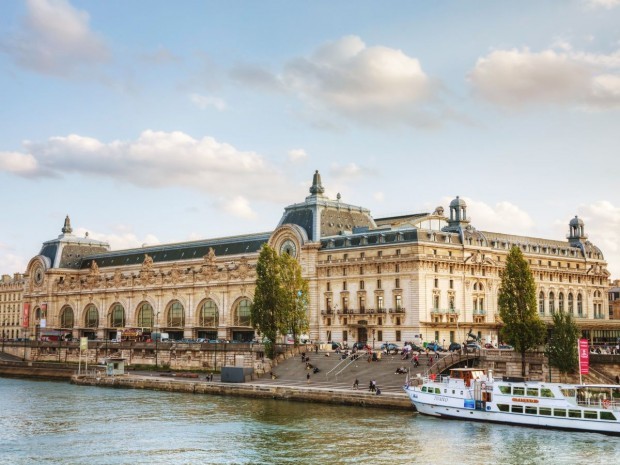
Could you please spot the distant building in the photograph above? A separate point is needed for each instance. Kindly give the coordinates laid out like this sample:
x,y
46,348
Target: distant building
x,y
614,300
423,275
11,293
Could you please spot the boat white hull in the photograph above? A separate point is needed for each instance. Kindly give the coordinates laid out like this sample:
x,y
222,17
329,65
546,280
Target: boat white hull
x,y
451,407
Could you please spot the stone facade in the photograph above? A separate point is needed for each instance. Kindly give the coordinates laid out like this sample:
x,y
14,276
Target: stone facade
x,y
423,276
11,298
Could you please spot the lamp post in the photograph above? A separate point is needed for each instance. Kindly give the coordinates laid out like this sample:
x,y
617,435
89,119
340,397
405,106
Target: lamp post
x,y
373,339
3,325
157,336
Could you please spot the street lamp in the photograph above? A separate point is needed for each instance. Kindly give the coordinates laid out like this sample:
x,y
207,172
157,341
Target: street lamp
x,y
157,336
373,340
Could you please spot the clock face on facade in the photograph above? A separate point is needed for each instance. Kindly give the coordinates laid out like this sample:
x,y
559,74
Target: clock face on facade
x,y
38,275
289,247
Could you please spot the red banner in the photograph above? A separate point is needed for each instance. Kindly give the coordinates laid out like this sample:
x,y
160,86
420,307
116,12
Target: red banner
x,y
26,318
584,357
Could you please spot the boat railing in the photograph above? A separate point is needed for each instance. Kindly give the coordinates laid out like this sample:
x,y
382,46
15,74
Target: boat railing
x,y
600,403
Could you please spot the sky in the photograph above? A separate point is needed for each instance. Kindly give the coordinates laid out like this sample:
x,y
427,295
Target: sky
x,y
154,121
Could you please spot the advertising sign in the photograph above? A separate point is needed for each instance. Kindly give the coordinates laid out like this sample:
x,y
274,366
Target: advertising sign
x,y
584,357
83,343
26,317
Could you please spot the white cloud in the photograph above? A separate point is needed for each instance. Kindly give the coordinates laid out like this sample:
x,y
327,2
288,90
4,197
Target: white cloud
x,y
238,206
516,78
10,262
122,238
375,85
346,172
55,38
502,217
155,159
607,4
379,196
203,102
297,155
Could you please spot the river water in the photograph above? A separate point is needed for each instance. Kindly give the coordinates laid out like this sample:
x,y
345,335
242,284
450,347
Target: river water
x,y
59,423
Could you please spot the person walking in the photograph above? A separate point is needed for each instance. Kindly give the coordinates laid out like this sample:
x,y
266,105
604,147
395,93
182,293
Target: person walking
x,y
356,384
308,378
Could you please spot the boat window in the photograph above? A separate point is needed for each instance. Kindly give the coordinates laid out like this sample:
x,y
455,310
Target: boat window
x,y
518,391
532,392
504,389
423,388
568,392
544,411
445,391
574,413
517,409
531,410
453,391
559,412
503,407
590,414
546,392
607,416
437,391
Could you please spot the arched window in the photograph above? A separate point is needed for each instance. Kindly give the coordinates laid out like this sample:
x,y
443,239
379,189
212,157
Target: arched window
x,y
117,316
561,302
91,317
208,315
66,318
480,287
475,286
243,313
551,303
176,315
145,315
481,302
436,301
579,305
475,302
541,303
570,303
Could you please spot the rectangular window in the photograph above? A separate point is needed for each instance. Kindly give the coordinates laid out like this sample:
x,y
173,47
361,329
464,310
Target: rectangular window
x,y
574,413
544,411
329,286
503,407
437,335
380,253
517,409
329,258
378,269
397,283
345,336
328,304
379,335
451,284
361,270
380,321
329,272
344,285
436,282
345,303
344,272
546,392
559,412
505,389
380,302
397,252
452,336
362,254
531,410
399,303
397,268
397,336
532,392
345,256
329,335
329,323
590,414
607,416
451,269
378,284
518,391
398,321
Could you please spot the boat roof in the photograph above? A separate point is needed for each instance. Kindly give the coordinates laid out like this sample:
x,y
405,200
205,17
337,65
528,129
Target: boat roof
x,y
466,369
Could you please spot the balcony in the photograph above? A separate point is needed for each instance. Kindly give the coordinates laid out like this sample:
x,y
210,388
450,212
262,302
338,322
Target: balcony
x,y
445,311
327,312
480,312
599,317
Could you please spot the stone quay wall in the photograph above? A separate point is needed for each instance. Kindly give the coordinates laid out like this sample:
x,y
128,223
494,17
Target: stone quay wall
x,y
257,391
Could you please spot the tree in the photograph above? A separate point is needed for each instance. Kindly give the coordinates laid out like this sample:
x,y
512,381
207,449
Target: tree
x,y
517,306
562,349
295,300
264,312
280,298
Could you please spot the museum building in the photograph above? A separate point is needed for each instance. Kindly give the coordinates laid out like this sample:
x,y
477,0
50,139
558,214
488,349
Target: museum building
x,y
426,276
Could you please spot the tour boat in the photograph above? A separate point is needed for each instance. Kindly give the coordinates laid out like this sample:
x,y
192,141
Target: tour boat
x,y
471,394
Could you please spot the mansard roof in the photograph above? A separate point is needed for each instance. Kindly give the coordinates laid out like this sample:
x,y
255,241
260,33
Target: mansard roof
x,y
234,245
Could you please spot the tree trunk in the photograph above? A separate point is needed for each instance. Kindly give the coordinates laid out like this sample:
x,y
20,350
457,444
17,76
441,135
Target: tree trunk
x,y
523,364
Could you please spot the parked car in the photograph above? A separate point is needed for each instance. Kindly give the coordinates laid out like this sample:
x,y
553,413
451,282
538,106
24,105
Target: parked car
x,y
434,347
455,346
361,346
473,347
506,347
336,345
390,348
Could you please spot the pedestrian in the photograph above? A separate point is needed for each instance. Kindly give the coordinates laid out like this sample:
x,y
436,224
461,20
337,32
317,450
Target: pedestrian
x,y
416,361
374,385
308,378
356,384
370,386
617,379
316,348
430,361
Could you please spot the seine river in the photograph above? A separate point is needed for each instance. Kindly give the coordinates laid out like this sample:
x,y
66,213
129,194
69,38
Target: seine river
x,y
53,422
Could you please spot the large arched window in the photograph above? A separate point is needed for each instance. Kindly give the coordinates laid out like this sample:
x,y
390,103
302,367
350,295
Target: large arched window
x,y
117,316
145,315
91,317
579,305
551,303
176,315
66,318
570,303
541,303
208,315
242,314
561,302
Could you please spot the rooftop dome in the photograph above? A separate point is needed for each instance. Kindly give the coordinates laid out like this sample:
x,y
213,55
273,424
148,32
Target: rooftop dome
x,y
458,202
576,221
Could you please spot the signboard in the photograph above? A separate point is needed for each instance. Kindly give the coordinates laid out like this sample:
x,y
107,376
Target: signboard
x,y
43,323
26,316
83,343
584,357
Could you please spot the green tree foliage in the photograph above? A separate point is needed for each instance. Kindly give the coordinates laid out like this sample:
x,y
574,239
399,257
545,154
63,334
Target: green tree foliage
x,y
280,298
295,301
517,306
265,313
562,348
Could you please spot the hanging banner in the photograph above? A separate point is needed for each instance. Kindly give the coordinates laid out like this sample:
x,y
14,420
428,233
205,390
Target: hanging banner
x,y
83,343
26,316
584,357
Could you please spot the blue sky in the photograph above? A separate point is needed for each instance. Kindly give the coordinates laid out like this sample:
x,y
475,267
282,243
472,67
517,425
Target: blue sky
x,y
158,121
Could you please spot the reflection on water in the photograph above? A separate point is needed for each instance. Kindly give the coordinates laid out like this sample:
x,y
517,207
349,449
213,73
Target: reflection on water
x,y
60,423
